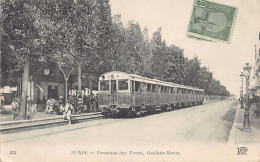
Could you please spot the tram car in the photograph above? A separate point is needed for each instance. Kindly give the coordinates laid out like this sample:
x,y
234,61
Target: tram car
x,y
122,94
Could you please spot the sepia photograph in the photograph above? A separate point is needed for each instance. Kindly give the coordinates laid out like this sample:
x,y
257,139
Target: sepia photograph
x,y
129,80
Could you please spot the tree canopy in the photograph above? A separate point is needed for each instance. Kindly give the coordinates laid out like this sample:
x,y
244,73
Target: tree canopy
x,y
83,35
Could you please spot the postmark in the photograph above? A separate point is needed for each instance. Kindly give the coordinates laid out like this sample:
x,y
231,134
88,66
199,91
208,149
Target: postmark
x,y
211,21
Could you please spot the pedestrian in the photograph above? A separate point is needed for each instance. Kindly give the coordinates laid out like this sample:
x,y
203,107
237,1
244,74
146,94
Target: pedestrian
x,y
85,108
67,112
2,99
72,102
97,108
49,105
79,106
15,107
61,105
257,106
92,103
88,103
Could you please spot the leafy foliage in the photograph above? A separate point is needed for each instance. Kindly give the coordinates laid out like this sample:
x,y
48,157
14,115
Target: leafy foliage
x,y
83,34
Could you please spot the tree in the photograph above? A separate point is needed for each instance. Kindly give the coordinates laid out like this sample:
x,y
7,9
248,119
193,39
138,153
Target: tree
x,y
21,41
192,72
133,50
76,29
175,65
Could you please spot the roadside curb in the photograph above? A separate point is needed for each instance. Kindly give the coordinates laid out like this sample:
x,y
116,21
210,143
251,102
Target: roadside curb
x,y
232,133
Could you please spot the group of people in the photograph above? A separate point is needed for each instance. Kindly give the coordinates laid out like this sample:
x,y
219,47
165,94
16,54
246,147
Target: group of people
x,y
90,103
253,103
50,106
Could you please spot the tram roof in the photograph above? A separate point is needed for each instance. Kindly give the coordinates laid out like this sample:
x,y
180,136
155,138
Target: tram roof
x,y
149,80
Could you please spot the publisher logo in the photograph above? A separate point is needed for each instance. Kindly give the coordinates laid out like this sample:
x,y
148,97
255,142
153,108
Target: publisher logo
x,y
242,151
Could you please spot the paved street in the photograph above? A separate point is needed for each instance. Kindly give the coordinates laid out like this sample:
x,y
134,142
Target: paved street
x,y
199,125
184,125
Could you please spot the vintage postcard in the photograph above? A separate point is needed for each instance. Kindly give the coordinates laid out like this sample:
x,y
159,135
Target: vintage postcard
x,y
129,80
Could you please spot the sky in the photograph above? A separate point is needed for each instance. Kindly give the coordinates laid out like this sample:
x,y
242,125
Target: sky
x,y
225,60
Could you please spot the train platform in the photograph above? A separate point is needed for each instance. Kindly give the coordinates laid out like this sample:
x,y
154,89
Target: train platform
x,y
38,120
237,136
7,115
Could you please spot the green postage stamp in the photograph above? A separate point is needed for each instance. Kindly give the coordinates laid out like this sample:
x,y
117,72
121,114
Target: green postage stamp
x,y
211,21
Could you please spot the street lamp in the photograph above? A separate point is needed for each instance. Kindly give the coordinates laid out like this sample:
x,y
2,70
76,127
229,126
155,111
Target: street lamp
x,y
246,125
242,95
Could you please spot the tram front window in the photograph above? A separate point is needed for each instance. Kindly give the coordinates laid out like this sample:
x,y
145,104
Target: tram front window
x,y
104,85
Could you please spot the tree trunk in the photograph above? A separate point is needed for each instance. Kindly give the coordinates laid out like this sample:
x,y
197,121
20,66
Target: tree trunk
x,y
66,89
66,78
25,80
79,79
91,86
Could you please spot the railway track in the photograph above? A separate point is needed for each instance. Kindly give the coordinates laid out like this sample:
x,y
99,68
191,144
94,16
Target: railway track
x,y
21,125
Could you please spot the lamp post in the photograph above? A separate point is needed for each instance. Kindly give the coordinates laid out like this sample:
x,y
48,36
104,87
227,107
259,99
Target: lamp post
x,y
246,125
242,95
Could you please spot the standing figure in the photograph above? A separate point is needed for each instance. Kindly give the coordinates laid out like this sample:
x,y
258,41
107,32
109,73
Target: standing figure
x,y
61,105
257,106
93,103
67,112
85,108
97,108
15,108
72,102
79,105
88,103
49,106
2,99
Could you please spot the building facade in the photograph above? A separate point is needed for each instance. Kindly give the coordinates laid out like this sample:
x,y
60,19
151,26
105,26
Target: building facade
x,y
255,84
44,84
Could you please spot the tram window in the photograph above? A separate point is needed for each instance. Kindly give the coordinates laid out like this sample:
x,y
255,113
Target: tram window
x,y
165,89
142,87
158,89
122,84
148,87
162,89
104,85
153,88
137,86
